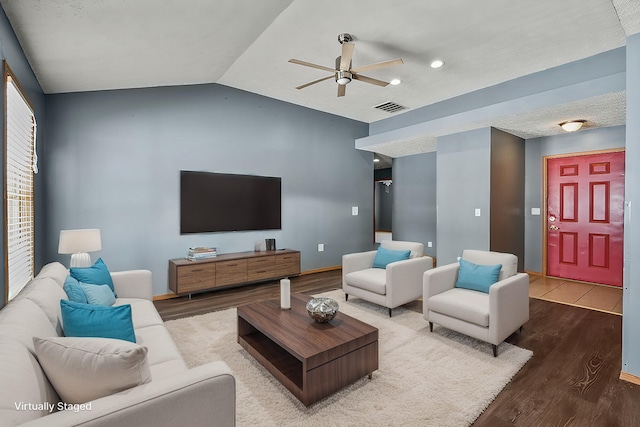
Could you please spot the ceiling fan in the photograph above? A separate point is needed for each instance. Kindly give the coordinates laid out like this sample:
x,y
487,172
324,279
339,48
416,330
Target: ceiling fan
x,y
343,73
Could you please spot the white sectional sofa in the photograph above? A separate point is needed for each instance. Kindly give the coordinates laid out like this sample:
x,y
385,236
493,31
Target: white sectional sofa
x,y
176,395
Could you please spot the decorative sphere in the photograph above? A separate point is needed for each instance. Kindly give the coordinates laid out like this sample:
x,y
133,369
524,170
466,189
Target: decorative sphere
x,y
322,309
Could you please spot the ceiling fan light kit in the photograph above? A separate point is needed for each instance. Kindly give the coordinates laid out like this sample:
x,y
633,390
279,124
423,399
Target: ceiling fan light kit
x,y
343,72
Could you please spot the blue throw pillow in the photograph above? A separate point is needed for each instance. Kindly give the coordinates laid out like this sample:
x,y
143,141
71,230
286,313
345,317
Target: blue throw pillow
x,y
98,294
74,291
387,256
86,320
477,277
97,274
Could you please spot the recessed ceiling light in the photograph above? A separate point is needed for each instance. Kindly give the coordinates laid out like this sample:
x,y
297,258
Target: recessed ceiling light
x,y
395,82
437,63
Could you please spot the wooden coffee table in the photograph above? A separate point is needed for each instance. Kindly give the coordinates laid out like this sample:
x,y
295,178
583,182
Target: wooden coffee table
x,y
312,360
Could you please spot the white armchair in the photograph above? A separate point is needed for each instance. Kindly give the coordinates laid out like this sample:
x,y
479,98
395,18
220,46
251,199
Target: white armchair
x,y
397,284
490,317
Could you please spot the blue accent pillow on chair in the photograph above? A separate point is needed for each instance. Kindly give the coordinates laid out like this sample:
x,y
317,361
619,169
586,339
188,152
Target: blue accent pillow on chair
x,y
87,320
387,256
74,291
97,274
477,277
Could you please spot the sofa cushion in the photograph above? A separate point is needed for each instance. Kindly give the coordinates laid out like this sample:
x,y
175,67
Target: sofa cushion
x,y
98,294
46,293
22,380
143,312
370,279
477,277
85,369
387,256
74,291
55,271
97,274
470,306
86,320
160,344
22,319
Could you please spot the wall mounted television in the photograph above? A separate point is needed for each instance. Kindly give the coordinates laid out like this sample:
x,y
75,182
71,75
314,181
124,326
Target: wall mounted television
x,y
212,202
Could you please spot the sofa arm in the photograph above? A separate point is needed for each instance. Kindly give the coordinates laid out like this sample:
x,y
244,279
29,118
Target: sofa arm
x,y
356,262
405,279
133,284
438,280
508,306
202,397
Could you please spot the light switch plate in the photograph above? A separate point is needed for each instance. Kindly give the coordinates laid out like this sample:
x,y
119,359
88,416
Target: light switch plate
x,y
477,211
535,211
429,244
354,210
320,247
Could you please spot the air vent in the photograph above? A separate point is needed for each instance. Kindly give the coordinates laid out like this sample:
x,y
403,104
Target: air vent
x,y
390,107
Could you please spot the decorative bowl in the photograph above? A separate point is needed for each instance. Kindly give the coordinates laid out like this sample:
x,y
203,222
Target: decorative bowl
x,y
322,309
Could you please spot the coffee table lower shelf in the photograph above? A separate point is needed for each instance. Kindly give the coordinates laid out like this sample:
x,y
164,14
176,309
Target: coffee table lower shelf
x,y
312,361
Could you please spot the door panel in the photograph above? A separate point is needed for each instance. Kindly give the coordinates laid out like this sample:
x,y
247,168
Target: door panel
x,y
585,207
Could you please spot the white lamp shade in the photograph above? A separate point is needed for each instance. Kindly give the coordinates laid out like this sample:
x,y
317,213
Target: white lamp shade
x,y
79,241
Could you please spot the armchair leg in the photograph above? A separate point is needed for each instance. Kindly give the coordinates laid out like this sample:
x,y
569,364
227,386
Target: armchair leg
x,y
520,330
346,297
389,312
495,350
430,326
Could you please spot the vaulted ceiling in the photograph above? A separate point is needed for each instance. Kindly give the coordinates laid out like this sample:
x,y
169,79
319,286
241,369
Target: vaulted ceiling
x,y
89,45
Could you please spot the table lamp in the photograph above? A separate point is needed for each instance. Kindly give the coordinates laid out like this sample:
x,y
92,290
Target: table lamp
x,y
78,243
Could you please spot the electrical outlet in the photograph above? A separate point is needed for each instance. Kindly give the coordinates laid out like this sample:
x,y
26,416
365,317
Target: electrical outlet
x,y
354,210
429,244
320,247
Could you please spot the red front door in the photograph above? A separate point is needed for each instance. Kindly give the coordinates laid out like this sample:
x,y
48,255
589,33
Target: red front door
x,y
585,207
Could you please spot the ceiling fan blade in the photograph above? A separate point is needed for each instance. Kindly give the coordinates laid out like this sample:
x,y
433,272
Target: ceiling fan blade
x,y
345,58
309,64
315,81
377,65
342,90
369,80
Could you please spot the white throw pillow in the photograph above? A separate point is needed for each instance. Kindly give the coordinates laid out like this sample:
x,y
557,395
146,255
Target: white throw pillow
x,y
84,369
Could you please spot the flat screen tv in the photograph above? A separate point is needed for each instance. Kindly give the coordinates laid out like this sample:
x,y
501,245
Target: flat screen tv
x,y
211,202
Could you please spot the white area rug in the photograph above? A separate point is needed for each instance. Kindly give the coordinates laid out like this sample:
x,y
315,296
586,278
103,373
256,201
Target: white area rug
x,y
424,379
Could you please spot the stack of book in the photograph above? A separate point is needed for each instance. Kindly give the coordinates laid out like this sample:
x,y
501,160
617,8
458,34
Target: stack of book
x,y
201,252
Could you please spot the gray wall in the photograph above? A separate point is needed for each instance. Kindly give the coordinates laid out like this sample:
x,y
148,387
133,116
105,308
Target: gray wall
x,y
631,293
414,203
11,51
507,194
384,206
113,162
463,185
536,149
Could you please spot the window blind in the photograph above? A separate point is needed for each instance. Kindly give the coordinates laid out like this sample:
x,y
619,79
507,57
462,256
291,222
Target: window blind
x,y
19,169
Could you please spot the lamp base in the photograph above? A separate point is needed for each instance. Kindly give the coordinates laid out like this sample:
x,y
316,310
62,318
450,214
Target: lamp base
x,y
82,259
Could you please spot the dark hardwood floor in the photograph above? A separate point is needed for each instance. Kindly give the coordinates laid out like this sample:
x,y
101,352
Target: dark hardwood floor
x,y
571,380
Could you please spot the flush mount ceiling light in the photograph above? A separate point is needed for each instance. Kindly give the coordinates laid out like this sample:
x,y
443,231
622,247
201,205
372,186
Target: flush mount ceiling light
x,y
437,63
376,160
395,82
572,125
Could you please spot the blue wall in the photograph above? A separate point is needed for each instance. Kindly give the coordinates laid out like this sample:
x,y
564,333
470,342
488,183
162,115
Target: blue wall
x,y
414,200
114,159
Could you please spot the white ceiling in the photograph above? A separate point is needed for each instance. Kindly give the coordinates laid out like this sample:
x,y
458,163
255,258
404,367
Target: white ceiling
x,y
87,45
